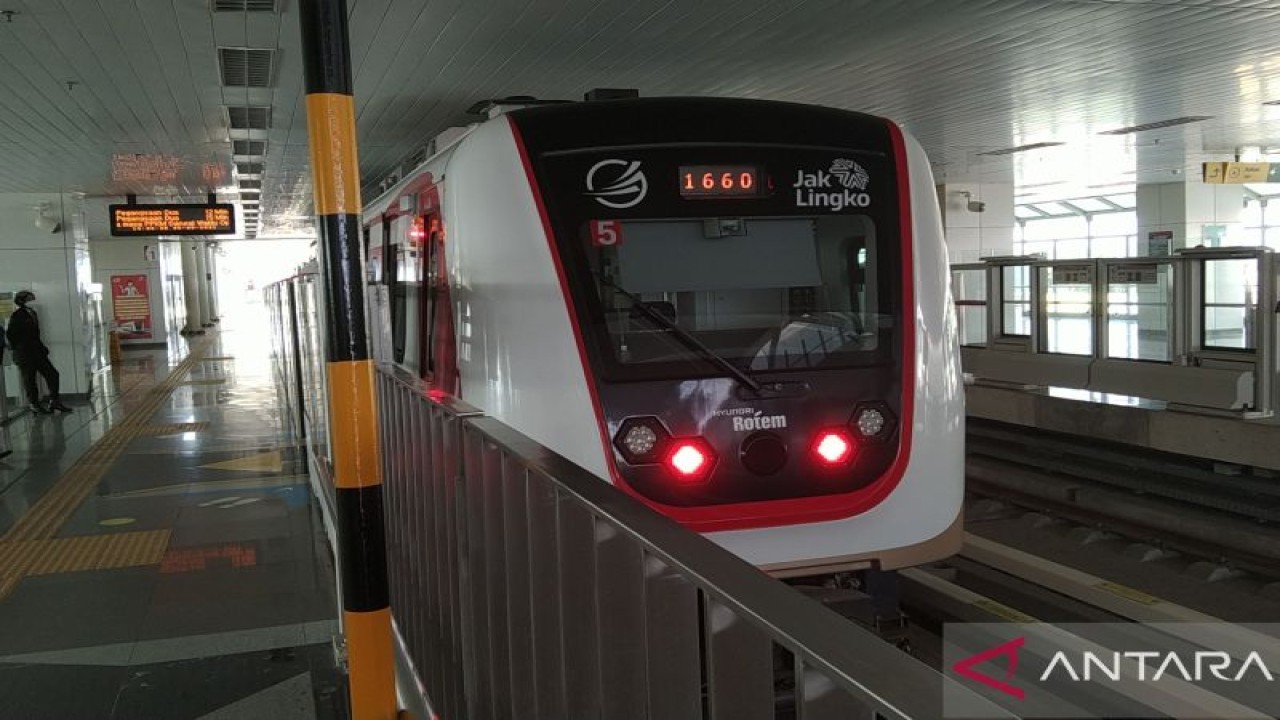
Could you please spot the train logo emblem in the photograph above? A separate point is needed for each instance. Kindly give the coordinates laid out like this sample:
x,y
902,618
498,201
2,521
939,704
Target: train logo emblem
x,y
836,188
850,173
617,184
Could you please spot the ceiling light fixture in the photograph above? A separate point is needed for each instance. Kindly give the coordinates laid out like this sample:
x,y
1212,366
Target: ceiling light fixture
x,y
1022,148
1157,125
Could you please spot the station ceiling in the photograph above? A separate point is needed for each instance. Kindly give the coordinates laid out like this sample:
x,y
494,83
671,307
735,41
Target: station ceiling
x,y
109,97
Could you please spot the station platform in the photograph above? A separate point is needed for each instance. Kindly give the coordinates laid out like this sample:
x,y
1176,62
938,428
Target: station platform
x,y
161,554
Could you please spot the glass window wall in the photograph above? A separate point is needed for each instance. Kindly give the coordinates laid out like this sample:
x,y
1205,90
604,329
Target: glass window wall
x,y
970,290
1230,298
1015,300
1139,305
1068,305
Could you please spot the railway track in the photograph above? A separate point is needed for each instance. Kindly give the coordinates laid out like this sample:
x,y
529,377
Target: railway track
x,y
989,582
1227,515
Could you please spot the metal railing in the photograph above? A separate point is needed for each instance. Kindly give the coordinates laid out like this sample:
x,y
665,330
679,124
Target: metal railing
x,y
524,587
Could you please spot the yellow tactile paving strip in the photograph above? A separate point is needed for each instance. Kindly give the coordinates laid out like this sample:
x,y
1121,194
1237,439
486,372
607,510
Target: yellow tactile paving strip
x,y
173,429
30,548
207,381
89,552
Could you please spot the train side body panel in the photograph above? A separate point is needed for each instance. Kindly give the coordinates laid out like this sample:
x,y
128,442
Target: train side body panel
x,y
518,358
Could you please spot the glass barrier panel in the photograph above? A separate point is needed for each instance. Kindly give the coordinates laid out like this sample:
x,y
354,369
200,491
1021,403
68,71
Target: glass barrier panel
x,y
1139,305
969,288
1015,300
1068,305
1230,296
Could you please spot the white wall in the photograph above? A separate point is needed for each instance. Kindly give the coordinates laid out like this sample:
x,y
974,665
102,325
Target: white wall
x,y
1186,209
128,256
972,236
56,268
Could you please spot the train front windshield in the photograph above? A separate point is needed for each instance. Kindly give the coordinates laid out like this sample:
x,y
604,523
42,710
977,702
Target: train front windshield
x,y
774,260
763,293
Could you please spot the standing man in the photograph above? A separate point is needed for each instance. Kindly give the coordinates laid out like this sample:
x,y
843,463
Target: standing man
x,y
31,356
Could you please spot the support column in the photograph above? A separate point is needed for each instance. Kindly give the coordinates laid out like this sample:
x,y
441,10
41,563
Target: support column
x,y
977,219
331,126
1186,214
213,282
206,278
202,283
191,287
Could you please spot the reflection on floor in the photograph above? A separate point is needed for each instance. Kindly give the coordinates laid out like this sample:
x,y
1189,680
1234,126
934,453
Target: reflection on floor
x,y
160,553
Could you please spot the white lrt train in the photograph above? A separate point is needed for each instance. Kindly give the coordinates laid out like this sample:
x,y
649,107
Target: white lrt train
x,y
736,311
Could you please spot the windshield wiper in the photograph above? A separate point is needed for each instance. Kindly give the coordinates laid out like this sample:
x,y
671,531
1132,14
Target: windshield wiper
x,y
684,336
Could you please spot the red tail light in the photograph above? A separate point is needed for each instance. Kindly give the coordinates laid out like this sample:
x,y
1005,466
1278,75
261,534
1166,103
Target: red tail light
x,y
833,448
690,460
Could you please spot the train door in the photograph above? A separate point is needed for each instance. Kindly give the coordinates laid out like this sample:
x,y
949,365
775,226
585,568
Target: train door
x,y
404,284
375,290
436,360
396,290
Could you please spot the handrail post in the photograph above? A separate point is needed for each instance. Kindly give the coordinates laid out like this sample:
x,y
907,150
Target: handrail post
x,y
357,473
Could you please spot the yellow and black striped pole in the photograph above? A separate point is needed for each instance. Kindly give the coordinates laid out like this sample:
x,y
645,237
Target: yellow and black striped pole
x,y
353,431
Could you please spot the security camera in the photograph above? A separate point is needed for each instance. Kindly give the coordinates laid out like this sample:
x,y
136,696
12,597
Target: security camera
x,y
976,206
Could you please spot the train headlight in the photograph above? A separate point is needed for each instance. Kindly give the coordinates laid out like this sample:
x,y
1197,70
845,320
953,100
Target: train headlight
x,y
870,422
642,440
873,420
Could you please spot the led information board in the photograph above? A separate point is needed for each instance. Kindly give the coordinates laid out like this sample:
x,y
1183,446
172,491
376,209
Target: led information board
x,y
147,220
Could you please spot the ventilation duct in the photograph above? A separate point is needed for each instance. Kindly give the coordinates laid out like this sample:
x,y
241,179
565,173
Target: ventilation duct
x,y
253,117
246,67
244,6
249,147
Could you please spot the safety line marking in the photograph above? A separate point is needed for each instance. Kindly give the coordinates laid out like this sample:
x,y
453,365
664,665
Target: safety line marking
x,y
173,429
29,546
86,552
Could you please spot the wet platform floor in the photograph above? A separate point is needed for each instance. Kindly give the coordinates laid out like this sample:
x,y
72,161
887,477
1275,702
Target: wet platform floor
x,y
161,551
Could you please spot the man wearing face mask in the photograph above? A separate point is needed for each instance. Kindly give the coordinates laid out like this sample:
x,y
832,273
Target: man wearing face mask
x,y
31,356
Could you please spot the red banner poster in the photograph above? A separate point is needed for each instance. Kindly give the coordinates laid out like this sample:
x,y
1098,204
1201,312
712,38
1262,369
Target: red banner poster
x,y
131,304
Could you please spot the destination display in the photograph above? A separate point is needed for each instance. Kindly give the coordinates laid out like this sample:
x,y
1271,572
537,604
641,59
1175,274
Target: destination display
x,y
172,219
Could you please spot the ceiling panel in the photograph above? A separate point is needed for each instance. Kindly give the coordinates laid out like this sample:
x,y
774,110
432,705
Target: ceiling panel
x,y
967,78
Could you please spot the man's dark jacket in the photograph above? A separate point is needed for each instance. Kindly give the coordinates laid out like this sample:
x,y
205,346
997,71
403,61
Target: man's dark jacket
x,y
23,333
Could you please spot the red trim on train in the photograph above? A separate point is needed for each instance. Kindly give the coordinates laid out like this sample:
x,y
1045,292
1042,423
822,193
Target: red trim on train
x,y
768,513
588,375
